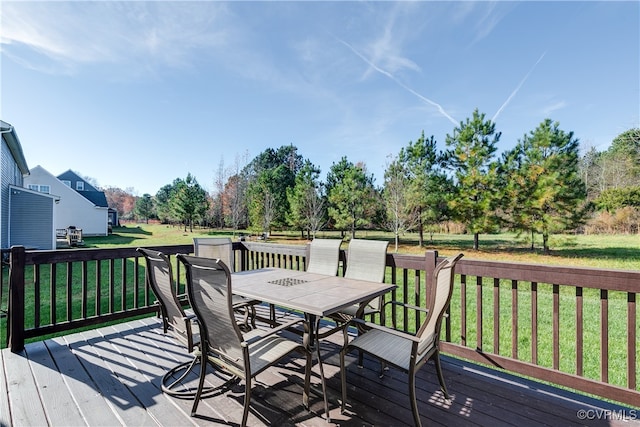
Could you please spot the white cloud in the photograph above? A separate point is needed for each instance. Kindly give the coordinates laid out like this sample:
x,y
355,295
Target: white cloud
x,y
72,34
547,110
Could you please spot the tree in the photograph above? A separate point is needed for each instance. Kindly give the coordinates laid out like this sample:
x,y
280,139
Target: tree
x,y
402,215
217,197
234,199
306,201
427,183
352,198
276,170
121,200
473,145
544,189
163,203
188,201
144,207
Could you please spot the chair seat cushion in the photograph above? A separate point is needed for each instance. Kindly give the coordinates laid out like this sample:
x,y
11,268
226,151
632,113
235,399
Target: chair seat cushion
x,y
264,352
395,349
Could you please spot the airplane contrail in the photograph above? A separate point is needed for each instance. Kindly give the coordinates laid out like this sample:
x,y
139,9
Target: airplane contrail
x,y
402,85
504,104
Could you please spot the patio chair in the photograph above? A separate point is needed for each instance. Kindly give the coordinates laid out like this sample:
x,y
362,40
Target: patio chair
x,y
210,294
222,248
159,276
323,256
366,260
403,350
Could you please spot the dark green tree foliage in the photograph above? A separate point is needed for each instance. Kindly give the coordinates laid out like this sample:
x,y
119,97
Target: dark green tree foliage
x,y
353,199
306,201
544,191
471,158
163,206
612,199
427,184
144,207
188,201
269,176
626,149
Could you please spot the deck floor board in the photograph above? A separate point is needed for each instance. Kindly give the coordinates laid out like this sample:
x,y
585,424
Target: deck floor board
x,y
112,376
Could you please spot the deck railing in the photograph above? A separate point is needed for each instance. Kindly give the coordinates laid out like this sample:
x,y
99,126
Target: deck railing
x,y
529,319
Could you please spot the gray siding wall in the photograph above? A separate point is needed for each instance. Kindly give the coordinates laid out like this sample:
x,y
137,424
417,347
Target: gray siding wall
x,y
9,174
31,220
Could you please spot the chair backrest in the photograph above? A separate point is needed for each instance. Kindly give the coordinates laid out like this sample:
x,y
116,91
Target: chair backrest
x,y
438,302
159,276
215,247
210,296
324,256
367,260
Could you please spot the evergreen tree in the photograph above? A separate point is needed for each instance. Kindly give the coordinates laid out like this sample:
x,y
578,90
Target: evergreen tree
x,y
544,190
144,207
352,197
188,201
471,158
427,183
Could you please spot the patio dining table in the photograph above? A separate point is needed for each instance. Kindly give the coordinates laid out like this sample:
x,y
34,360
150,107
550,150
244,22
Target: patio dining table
x,y
315,295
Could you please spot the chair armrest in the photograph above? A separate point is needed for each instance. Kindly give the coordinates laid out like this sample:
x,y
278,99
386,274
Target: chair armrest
x,y
385,329
410,306
268,333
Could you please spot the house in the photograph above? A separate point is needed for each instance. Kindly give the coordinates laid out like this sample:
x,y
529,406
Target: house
x,y
97,197
80,204
26,216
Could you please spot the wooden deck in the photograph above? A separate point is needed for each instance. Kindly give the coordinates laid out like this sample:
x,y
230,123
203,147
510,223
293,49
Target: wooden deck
x,y
110,376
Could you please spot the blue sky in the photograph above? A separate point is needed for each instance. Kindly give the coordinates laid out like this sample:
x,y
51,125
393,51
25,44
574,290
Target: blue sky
x,y
135,94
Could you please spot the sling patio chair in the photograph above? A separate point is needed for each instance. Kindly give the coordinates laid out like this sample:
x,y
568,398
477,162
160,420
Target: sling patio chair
x,y
245,355
323,256
222,248
402,350
159,276
366,260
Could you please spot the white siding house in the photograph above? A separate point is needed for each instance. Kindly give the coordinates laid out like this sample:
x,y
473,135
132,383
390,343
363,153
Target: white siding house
x,y
73,209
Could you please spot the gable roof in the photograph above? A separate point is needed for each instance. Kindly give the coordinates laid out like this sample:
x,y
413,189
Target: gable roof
x,y
90,193
11,137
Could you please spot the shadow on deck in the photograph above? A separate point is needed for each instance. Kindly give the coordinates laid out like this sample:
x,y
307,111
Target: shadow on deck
x,y
111,376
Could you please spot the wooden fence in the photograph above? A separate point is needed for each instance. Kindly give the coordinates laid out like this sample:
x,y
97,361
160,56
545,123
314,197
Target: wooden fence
x,y
545,312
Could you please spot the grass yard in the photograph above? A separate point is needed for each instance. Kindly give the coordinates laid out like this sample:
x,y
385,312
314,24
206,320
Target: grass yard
x,y
610,251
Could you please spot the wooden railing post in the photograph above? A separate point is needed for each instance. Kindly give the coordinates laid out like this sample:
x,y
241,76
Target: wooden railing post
x,y
15,319
430,268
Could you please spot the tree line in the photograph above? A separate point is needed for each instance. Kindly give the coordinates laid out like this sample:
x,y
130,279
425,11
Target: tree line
x,y
542,186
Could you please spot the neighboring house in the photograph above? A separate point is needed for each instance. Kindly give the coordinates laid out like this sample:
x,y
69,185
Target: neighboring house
x,y
26,217
97,197
80,205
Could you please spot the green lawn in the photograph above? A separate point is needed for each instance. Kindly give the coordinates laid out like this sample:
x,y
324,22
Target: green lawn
x,y
610,251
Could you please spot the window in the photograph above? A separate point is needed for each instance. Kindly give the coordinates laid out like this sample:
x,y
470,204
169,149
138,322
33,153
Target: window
x,y
66,182
80,185
41,188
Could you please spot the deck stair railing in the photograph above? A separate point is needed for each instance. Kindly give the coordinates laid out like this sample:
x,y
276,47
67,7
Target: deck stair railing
x,y
575,327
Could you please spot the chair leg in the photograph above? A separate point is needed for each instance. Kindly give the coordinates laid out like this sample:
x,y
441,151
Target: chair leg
x,y
307,380
247,401
443,386
412,397
203,373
